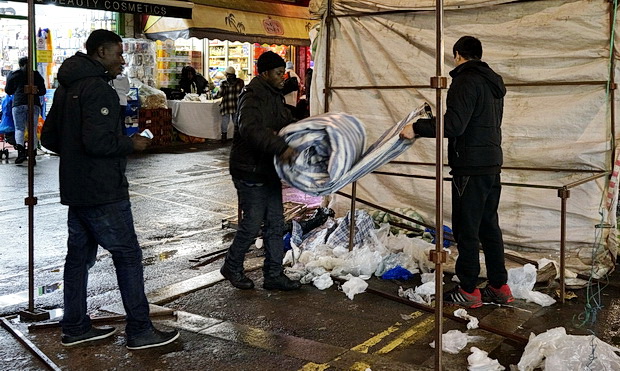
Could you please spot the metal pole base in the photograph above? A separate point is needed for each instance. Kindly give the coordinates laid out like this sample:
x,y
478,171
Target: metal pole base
x,y
34,315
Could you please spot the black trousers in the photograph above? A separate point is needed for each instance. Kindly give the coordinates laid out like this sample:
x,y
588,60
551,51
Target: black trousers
x,y
475,222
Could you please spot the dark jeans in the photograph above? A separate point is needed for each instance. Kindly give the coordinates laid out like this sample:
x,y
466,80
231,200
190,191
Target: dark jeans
x,y
260,203
111,227
475,200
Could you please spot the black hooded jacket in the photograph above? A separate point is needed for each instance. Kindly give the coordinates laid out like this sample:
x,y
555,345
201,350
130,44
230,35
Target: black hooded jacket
x,y
473,120
84,128
15,86
261,115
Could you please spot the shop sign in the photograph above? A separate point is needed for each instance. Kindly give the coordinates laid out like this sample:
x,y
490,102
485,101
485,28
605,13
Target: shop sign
x,y
273,26
121,6
44,56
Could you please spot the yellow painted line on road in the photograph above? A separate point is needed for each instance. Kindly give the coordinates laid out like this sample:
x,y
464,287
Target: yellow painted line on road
x,y
362,348
314,367
413,334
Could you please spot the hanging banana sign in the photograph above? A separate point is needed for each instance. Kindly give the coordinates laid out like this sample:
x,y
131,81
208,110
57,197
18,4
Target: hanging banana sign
x,y
163,8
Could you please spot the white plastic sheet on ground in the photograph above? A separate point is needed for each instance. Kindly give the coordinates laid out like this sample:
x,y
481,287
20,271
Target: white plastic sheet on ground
x,y
454,341
522,281
479,360
354,286
555,350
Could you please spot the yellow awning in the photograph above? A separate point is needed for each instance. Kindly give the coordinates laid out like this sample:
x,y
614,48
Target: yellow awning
x,y
232,24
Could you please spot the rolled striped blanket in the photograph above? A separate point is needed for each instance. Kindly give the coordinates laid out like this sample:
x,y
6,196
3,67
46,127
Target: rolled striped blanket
x,y
331,150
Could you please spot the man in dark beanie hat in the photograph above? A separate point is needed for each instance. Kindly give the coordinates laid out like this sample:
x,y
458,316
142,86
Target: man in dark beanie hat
x,y
473,120
260,116
268,61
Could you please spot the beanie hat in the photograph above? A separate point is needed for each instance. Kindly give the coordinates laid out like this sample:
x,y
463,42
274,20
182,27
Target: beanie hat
x,y
268,61
289,65
230,70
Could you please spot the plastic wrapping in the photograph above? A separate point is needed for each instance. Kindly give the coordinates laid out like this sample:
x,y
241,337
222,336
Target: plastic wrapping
x,y
555,350
354,286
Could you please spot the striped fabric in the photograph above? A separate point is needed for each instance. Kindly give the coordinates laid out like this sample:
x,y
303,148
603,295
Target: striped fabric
x,y
331,151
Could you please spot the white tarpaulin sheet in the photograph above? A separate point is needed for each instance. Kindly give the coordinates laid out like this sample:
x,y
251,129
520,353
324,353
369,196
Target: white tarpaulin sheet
x,y
554,58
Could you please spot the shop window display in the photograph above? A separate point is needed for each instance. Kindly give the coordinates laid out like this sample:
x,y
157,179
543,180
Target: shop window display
x,y
228,53
67,28
139,57
171,58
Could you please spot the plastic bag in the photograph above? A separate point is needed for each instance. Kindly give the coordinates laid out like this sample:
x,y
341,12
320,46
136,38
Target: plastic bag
x,y
452,341
354,286
479,361
397,273
521,282
7,125
323,281
555,350
151,97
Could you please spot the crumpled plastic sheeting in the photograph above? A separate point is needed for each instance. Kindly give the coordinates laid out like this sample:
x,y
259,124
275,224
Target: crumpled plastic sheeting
x,y
555,350
354,286
479,360
473,321
454,341
323,281
422,294
522,281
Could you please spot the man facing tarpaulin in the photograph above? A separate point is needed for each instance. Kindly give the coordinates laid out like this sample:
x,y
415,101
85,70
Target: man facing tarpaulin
x,y
261,114
473,118
84,128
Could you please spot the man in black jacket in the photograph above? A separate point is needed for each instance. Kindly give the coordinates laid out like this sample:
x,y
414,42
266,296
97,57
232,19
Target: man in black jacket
x,y
15,86
473,119
261,114
84,128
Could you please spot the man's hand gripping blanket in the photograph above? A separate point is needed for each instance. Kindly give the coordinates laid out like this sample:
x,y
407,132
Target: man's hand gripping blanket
x,y
331,150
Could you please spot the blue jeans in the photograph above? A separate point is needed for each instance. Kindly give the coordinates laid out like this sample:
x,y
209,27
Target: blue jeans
x,y
261,204
111,227
20,118
224,124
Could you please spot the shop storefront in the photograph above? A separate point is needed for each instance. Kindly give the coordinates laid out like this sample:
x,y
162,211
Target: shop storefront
x,y
218,37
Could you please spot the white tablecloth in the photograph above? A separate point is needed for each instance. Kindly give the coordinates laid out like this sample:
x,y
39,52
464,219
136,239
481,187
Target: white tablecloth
x,y
198,119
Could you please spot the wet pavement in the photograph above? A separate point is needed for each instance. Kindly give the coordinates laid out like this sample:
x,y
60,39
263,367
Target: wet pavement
x,y
180,195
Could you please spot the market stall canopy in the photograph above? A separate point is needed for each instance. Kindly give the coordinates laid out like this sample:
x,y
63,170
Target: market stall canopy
x,y
168,8
558,59
246,21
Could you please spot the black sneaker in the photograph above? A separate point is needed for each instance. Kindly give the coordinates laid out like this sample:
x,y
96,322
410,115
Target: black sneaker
x,y
239,280
152,338
281,282
91,335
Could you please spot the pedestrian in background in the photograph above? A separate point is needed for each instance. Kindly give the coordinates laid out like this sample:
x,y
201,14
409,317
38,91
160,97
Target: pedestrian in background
x,y
229,92
262,114
291,85
84,128
473,120
15,86
193,82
